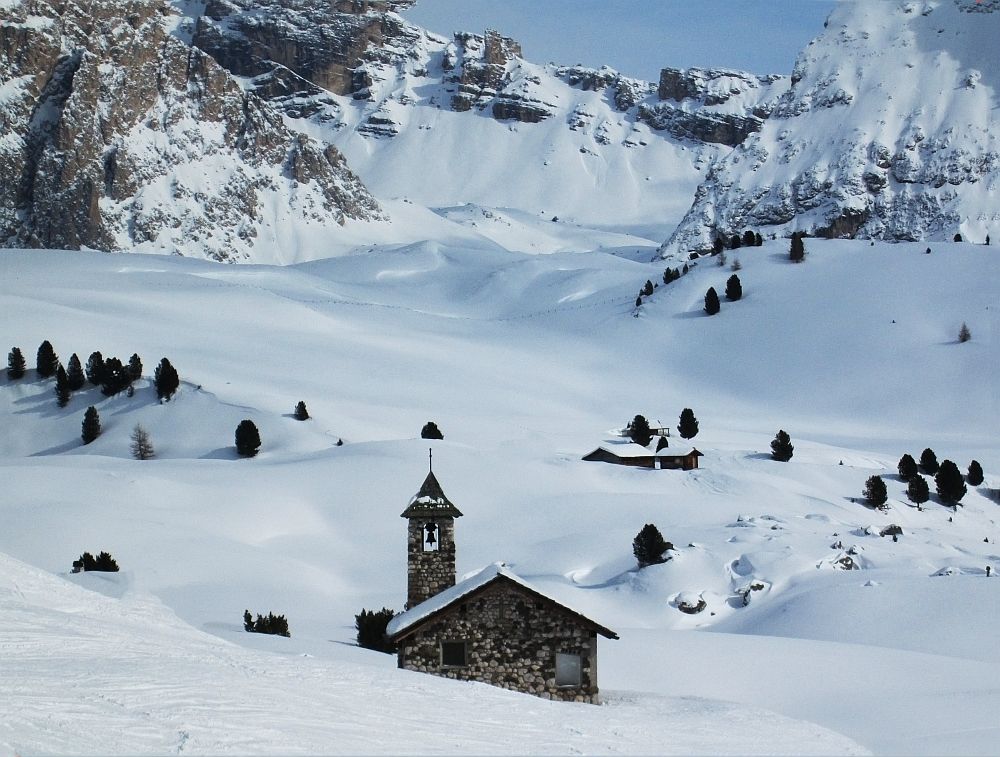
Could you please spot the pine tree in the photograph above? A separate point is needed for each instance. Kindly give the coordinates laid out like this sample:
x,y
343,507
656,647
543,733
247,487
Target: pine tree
x,y
74,372
718,245
15,364
431,431
166,379
958,237
142,445
964,334
734,288
116,377
46,361
781,447
638,301
247,621
135,367
975,476
907,467
758,240
649,546
687,425
301,414
639,431
247,438
797,250
662,443
928,462
949,483
370,625
748,238
63,392
711,301
734,242
95,368
875,492
91,425
917,490
647,288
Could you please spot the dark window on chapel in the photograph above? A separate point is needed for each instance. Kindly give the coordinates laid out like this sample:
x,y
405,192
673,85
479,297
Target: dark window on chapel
x,y
453,654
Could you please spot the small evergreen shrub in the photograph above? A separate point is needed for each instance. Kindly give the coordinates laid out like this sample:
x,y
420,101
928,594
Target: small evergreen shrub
x,y
273,624
875,492
15,364
781,447
649,546
975,475
370,625
431,431
301,414
103,562
247,438
639,430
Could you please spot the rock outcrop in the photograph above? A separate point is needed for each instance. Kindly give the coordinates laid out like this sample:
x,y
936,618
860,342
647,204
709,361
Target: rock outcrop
x,y
121,136
886,132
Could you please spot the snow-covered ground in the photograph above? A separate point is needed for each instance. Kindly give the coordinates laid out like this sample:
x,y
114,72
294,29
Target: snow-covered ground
x,y
524,361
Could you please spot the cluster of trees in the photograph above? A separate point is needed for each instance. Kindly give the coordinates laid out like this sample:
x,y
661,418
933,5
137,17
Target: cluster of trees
x,y
649,546
370,625
669,275
948,479
641,433
103,562
748,239
270,623
734,292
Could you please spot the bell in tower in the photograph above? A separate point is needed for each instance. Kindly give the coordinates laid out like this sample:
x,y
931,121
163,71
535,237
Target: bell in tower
x,y
430,563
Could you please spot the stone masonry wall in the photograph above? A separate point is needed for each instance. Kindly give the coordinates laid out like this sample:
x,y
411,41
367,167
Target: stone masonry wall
x,y
512,640
429,573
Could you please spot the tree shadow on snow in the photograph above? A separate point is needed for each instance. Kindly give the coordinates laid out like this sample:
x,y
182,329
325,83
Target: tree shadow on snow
x,y
221,453
58,449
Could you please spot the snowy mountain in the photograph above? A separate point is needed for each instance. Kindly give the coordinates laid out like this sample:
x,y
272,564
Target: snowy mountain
x,y
118,135
886,132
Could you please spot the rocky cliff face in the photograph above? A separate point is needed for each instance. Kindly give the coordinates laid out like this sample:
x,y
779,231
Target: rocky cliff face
x,y
887,132
118,135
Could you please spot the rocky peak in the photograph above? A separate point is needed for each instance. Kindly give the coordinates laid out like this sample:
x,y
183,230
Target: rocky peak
x,y
122,136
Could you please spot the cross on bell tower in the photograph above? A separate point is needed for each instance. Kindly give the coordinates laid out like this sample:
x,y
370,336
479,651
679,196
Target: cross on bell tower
x,y
430,542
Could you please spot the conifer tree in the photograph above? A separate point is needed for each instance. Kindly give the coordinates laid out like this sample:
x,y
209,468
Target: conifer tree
x,y
917,490
958,237
15,364
649,546
301,414
166,379
141,445
91,425
907,467
135,367
687,425
62,387
662,443
734,242
431,431
975,476
748,238
116,377
875,492
758,240
95,368
964,334
781,447
797,250
711,301
949,483
647,288
638,301
928,462
734,288
247,438
718,245
46,361
370,625
74,372
639,430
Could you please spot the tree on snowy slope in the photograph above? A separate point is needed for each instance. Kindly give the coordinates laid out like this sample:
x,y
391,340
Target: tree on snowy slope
x,y
91,428
15,364
431,431
929,462
639,430
797,249
247,438
687,425
141,445
649,546
62,387
95,368
949,482
734,288
781,447
711,301
166,379
875,492
917,490
975,476
74,372
907,467
135,367
46,362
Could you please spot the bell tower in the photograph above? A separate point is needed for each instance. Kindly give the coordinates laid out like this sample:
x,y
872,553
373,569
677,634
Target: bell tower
x,y
430,542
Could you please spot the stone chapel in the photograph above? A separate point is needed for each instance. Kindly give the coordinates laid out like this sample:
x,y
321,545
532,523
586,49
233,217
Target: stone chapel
x,y
493,626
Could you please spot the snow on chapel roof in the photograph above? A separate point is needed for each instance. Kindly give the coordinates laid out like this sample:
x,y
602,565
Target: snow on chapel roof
x,y
430,501
497,571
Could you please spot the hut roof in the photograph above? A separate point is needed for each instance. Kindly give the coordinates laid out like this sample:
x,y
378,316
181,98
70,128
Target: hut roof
x,y
426,610
430,501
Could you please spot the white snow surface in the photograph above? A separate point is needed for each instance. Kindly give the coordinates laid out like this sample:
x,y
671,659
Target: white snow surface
x,y
522,360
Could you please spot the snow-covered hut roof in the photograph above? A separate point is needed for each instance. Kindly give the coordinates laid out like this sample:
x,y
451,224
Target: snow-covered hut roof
x,y
430,501
496,572
627,448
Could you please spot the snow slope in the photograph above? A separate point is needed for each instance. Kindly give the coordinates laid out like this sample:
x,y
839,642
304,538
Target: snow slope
x,y
524,361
